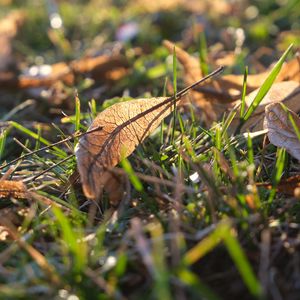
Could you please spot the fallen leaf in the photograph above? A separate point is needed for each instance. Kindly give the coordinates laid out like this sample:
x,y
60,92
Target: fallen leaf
x,y
122,127
102,68
116,132
286,186
219,94
287,92
9,27
15,189
281,131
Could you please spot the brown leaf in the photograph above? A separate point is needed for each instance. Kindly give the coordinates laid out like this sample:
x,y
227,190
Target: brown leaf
x,y
287,92
219,94
15,189
101,68
281,131
116,132
286,186
122,127
9,27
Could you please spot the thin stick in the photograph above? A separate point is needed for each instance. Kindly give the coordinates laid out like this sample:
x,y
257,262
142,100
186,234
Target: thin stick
x,y
50,146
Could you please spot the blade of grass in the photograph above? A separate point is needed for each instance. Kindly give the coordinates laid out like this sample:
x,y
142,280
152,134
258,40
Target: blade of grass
x,y
192,280
73,240
223,232
266,85
238,256
175,92
93,108
295,127
276,176
36,137
250,149
132,177
161,288
203,53
244,90
3,136
77,114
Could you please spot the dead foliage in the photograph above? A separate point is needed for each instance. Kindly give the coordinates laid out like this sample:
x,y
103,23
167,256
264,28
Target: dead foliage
x,y
219,94
283,127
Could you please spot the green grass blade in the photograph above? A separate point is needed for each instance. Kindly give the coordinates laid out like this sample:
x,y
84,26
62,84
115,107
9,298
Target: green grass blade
x,y
132,177
161,287
72,239
290,117
3,136
276,176
77,118
175,91
266,85
93,108
77,114
244,90
190,279
250,149
238,256
203,53
36,137
203,247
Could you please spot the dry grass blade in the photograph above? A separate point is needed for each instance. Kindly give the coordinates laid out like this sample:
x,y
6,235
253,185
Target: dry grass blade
x,y
283,128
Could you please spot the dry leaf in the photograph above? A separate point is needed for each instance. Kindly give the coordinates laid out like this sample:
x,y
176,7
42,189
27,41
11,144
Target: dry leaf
x,y
219,94
287,92
9,27
116,132
122,127
15,189
286,186
102,68
216,96
281,132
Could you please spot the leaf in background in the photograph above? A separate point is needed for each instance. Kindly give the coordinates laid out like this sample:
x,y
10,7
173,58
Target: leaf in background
x,y
122,127
15,189
286,186
9,27
267,84
287,92
219,94
283,128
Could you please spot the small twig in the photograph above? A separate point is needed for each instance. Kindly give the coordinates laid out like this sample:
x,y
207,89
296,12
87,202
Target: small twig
x,y
49,169
76,135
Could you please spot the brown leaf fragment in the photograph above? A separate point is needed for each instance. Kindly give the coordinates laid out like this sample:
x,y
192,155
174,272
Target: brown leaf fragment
x,y
122,127
286,186
101,68
287,92
9,27
190,63
216,96
15,189
281,131
290,71
220,93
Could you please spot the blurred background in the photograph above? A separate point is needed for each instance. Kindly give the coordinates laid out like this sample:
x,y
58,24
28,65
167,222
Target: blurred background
x,y
233,33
